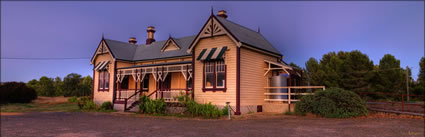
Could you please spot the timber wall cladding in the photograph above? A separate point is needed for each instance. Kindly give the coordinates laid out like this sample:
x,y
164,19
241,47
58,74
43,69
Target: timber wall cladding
x,y
103,96
218,97
177,80
253,80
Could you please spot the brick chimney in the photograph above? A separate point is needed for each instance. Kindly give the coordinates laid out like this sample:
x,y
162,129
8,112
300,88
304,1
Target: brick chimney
x,y
151,32
132,40
222,13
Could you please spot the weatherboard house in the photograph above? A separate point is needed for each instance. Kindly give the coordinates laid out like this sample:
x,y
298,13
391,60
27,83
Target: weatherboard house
x,y
224,63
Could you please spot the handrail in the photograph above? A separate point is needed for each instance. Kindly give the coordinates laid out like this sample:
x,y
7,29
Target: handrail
x,y
126,99
296,87
232,109
289,94
152,93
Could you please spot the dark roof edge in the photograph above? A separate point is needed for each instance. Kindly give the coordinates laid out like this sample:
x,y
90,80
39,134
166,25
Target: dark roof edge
x,y
155,58
277,54
159,64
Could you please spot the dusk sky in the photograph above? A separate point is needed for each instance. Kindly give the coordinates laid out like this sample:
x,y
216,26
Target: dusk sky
x,y
299,30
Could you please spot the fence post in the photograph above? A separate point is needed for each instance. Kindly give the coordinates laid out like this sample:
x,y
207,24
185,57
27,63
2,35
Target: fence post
x,y
125,104
289,99
289,95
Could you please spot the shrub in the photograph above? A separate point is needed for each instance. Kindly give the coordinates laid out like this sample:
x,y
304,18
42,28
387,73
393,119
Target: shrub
x,y
86,103
332,103
225,110
304,105
204,110
16,92
90,105
73,99
106,106
150,106
288,113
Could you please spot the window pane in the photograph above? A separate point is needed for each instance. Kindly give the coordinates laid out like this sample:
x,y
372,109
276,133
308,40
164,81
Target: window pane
x,y
221,74
101,80
220,79
106,80
209,80
209,74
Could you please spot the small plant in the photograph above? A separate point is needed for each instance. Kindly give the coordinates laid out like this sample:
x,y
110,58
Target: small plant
x,y
90,105
288,113
86,103
107,106
204,110
225,110
150,106
73,99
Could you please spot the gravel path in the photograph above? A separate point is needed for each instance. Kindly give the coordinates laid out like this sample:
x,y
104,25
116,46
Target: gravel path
x,y
74,124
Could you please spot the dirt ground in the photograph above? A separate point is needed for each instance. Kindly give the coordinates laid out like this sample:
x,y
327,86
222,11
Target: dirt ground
x,y
50,100
73,124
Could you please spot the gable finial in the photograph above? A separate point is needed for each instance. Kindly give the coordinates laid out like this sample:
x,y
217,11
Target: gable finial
x,y
258,30
212,10
103,36
169,35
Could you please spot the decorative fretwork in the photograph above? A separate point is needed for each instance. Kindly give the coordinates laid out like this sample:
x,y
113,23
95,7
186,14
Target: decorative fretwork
x,y
159,73
213,28
102,49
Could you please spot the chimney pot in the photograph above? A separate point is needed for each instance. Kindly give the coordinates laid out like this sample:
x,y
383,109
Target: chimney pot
x,y
132,40
222,13
151,32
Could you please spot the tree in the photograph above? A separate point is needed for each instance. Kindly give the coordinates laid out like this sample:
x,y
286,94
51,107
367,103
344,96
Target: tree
x,y
347,70
356,71
314,72
389,77
302,72
71,84
33,84
58,84
419,87
45,87
85,86
421,75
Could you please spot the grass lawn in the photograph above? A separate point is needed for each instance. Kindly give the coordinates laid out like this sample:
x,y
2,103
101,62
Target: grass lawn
x,y
35,107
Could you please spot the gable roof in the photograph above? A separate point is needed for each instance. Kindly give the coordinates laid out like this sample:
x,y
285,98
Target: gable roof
x,y
168,42
125,51
247,36
128,52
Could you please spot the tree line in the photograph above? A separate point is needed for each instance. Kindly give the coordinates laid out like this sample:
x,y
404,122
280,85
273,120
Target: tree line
x,y
71,85
356,72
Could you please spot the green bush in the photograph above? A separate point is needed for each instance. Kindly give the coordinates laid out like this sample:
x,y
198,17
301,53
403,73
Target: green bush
x,y
90,105
304,105
106,106
86,103
16,92
332,103
204,110
150,106
225,110
73,99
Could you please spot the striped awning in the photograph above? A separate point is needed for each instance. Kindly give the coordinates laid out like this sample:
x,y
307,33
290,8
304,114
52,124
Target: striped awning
x,y
101,65
212,53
